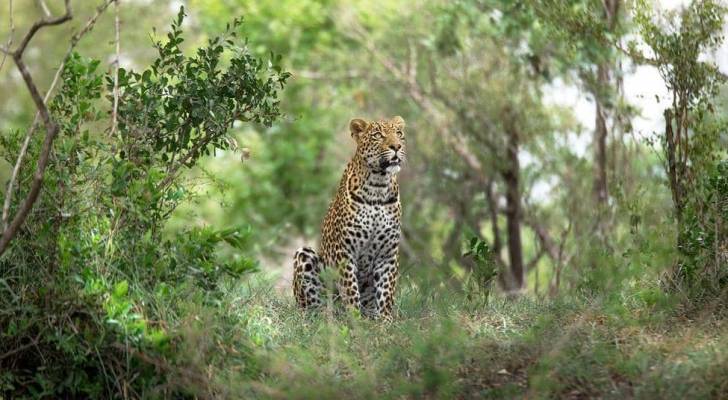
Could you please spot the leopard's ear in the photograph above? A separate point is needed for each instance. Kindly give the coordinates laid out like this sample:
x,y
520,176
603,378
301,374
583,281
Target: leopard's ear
x,y
357,126
398,122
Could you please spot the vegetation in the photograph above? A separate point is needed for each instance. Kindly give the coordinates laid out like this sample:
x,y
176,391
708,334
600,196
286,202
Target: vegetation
x,y
157,181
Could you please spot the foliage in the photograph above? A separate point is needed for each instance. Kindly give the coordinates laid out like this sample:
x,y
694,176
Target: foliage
x,y
485,270
694,158
446,345
94,255
132,277
286,186
703,272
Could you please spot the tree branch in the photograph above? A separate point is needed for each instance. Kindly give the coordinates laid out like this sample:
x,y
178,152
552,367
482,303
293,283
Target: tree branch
x,y
10,35
544,237
636,56
536,259
37,182
417,94
41,24
116,70
44,7
50,125
21,155
16,169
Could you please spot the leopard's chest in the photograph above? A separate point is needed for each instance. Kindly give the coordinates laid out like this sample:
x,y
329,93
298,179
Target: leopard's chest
x,y
376,231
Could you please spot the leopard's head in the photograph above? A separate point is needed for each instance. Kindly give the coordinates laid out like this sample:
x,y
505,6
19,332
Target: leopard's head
x,y
380,144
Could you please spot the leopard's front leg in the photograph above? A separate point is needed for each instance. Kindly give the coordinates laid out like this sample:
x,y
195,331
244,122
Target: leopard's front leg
x,y
348,285
385,281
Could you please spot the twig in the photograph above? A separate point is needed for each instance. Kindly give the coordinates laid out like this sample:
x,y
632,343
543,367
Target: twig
x,y
636,56
10,35
43,6
89,24
536,259
319,75
174,170
418,95
162,364
41,24
20,348
14,176
116,71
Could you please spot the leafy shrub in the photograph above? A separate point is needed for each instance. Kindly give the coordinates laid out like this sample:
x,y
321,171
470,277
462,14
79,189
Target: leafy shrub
x,y
480,281
703,268
96,301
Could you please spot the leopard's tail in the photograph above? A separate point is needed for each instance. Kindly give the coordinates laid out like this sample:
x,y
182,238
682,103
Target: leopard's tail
x,y
307,287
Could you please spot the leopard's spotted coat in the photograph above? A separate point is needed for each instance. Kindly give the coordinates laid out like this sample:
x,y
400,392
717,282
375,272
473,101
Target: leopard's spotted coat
x,y
361,230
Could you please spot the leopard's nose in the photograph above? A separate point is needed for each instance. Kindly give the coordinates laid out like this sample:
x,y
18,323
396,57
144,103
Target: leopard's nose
x,y
395,147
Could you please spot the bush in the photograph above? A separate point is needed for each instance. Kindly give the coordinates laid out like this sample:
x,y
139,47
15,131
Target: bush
x,y
96,301
703,267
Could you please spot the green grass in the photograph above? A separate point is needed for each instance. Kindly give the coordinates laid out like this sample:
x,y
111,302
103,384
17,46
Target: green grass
x,y
443,345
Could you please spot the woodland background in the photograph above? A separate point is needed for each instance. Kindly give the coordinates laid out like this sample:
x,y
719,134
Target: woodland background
x,y
565,197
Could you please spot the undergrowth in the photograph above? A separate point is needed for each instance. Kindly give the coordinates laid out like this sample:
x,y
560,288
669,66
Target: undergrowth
x,y
444,345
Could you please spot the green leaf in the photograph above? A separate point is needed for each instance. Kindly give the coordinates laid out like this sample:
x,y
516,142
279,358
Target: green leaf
x,y
121,289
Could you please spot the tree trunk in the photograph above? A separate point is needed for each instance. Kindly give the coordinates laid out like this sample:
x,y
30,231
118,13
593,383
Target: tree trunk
x,y
600,142
604,68
511,177
672,166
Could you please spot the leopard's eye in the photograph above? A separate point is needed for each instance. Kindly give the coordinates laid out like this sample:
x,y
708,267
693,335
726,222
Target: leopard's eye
x,y
378,134
400,134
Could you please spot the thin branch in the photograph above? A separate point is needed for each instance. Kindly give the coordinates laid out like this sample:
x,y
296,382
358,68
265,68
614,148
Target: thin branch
x,y
536,259
412,63
89,25
41,24
173,171
43,6
319,75
21,348
543,236
114,122
50,125
417,94
637,56
37,182
14,176
10,35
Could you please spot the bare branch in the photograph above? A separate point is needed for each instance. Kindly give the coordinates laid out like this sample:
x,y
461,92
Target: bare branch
x,y
37,181
10,35
18,349
41,24
116,70
51,126
412,63
417,94
89,25
21,155
318,75
11,184
544,237
536,259
43,6
636,56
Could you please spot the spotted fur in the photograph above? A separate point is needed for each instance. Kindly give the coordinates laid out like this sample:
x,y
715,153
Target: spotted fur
x,y
361,231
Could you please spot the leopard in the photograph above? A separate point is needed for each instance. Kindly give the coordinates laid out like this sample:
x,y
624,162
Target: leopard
x,y
361,231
